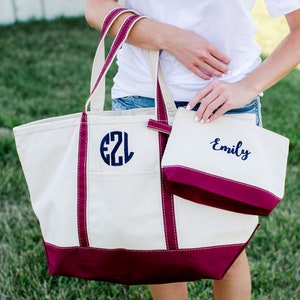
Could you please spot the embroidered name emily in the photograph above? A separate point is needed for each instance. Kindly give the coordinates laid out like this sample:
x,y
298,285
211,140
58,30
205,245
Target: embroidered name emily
x,y
235,149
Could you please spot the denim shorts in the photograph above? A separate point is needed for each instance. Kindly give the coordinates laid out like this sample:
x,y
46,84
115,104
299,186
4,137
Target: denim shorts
x,y
131,102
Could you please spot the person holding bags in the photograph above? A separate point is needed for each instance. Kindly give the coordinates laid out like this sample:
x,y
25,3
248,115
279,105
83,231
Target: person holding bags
x,y
208,56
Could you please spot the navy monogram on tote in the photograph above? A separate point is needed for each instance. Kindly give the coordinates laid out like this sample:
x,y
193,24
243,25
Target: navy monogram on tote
x,y
102,205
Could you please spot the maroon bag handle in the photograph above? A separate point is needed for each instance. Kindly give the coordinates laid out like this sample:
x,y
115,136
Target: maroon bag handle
x,y
162,116
83,138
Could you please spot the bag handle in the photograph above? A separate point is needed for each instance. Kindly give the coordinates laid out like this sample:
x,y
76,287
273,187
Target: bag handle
x,y
83,135
159,79
101,66
167,200
100,53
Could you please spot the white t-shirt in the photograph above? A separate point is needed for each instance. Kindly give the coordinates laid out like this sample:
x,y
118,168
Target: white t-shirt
x,y
228,24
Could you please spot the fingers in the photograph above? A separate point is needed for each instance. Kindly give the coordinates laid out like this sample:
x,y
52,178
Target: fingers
x,y
213,102
219,68
220,56
212,112
200,95
202,74
215,63
208,67
198,55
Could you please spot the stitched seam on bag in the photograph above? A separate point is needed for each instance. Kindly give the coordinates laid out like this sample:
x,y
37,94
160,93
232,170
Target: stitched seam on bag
x,y
161,178
223,178
82,186
163,113
125,173
174,222
83,138
34,130
160,129
110,18
148,251
163,197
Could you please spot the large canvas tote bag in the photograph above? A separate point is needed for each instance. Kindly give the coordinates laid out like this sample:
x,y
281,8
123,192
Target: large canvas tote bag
x,y
95,186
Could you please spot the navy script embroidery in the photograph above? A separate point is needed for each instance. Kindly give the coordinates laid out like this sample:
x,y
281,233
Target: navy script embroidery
x,y
235,149
111,144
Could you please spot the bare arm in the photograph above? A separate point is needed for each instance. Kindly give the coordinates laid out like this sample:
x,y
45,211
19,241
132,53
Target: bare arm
x,y
234,95
194,52
281,61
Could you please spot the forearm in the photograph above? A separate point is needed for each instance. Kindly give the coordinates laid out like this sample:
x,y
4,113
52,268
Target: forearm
x,y
281,61
147,33
194,52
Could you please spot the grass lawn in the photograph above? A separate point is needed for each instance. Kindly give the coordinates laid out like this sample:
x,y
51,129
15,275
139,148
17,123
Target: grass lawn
x,y
44,71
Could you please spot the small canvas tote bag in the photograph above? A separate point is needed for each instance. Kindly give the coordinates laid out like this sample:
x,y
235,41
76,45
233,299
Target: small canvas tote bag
x,y
230,163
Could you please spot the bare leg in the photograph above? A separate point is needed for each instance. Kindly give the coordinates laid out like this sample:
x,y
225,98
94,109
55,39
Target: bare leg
x,y
170,291
236,284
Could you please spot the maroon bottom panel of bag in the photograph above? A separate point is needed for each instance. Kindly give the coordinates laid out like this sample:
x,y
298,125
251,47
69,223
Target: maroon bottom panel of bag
x,y
141,267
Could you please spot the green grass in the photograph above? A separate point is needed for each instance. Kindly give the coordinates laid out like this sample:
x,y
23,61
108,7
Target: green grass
x,y
45,69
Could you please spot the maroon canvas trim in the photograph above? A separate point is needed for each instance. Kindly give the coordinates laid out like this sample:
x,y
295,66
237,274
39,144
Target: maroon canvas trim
x,y
218,192
110,18
162,114
83,139
167,198
141,267
156,125
81,182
